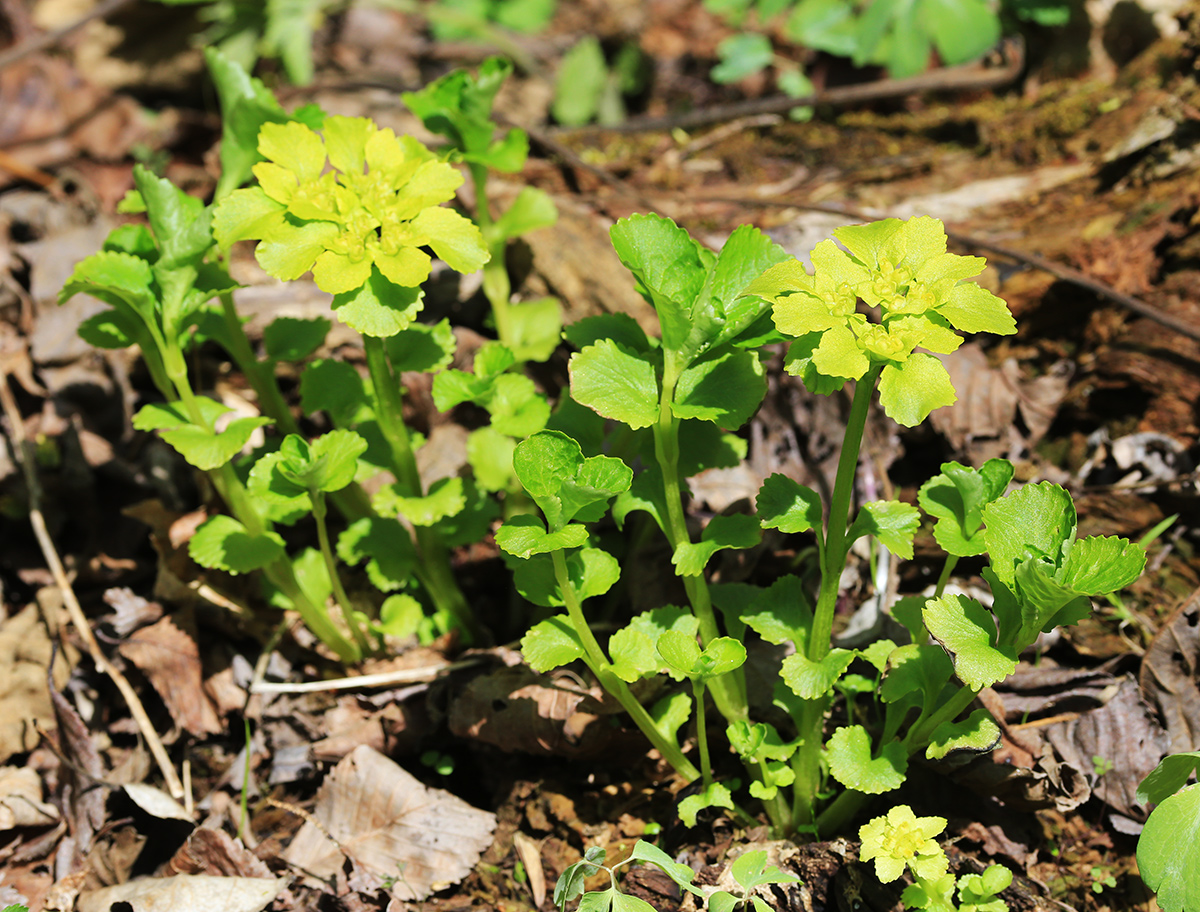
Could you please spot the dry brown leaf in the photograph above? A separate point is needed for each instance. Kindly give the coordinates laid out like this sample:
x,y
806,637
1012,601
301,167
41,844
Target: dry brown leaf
x,y
186,893
1170,675
209,851
24,702
391,827
168,655
21,799
156,802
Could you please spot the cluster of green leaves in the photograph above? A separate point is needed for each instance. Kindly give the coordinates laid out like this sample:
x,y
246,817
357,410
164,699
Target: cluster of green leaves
x,y
1168,851
750,871
897,34
900,841
459,107
455,20
593,86
675,396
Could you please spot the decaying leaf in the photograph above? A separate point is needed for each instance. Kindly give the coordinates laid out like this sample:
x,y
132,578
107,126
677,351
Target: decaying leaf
x,y
393,829
1170,675
21,799
185,893
24,702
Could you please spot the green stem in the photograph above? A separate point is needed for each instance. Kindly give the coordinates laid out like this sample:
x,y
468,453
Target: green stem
x,y
702,732
602,669
728,691
260,374
947,569
497,287
434,569
339,592
918,736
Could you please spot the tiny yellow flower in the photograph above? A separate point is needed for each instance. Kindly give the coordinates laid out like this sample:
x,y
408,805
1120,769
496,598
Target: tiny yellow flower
x,y
901,839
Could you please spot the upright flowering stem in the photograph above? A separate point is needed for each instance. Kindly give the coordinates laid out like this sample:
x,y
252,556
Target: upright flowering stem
x,y
496,285
433,570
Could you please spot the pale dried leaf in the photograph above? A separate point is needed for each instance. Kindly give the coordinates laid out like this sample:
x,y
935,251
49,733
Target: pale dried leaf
x,y
21,799
186,893
393,829
24,701
156,802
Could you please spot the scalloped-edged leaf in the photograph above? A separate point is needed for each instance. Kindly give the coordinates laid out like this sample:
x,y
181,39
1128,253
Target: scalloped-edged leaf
x,y
810,680
633,648
746,255
851,763
787,505
703,445
535,328
120,279
922,668
967,631
620,328
473,522
208,450
670,268
977,734
725,387
551,644
1169,848
779,613
516,407
111,329
1097,565
337,388
592,572
378,307
893,523
293,338
616,383
563,482
1033,521
955,498
716,795
736,530
490,454
909,392
1171,774
422,348
181,223
385,545
445,498
223,543
525,535
532,209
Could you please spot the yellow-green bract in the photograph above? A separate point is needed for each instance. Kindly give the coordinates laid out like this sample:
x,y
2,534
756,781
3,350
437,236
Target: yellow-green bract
x,y
345,222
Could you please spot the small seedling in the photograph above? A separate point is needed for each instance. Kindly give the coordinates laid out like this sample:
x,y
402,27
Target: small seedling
x,y
750,871
570,885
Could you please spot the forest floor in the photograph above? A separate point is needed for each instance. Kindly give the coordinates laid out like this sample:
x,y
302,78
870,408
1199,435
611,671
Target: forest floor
x,y
1083,192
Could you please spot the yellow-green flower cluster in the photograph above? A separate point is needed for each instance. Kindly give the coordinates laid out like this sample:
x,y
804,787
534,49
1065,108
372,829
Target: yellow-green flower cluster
x,y
900,840
374,210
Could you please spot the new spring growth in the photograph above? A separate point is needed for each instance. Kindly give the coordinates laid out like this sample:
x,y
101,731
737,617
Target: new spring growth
x,y
361,224
920,300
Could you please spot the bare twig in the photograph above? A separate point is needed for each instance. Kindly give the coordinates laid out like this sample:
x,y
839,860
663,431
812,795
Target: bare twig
x,y
49,39
383,679
25,455
948,79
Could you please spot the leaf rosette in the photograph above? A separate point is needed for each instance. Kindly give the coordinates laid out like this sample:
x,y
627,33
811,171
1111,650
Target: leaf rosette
x,y
921,300
360,225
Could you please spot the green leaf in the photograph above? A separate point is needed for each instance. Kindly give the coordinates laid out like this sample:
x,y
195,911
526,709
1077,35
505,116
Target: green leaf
x,y
445,498
119,279
385,545
680,873
532,209
633,648
810,680
787,505
378,308
978,734
223,543
246,104
516,407
616,327
536,327
962,30
294,339
112,329
916,668
1033,521
850,762
582,73
733,531
780,613
473,522
702,445
750,871
725,387
646,494
966,630
312,575
1168,851
616,383
203,448
1098,565
400,616
422,348
181,223
955,498
670,267
741,56
524,535
564,483
716,795
327,464
910,391
551,644
680,651
1171,774
890,521
490,454
337,388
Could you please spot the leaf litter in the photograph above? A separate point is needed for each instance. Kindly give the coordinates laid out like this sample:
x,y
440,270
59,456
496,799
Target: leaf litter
x,y
1038,400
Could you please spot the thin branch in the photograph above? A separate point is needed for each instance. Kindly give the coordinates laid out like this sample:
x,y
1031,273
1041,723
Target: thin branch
x,y
383,679
25,455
